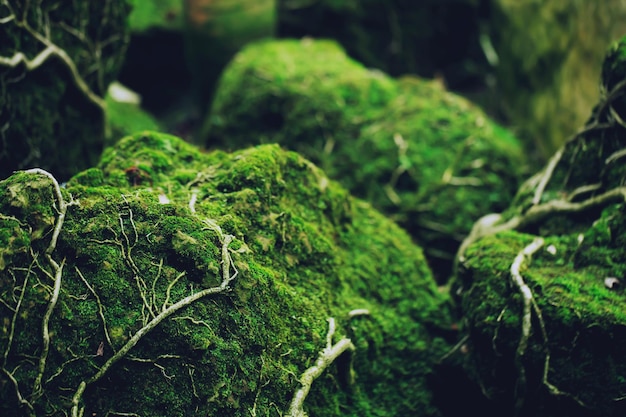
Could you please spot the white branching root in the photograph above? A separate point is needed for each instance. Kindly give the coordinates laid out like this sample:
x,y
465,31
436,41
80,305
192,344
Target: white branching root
x,y
22,401
604,117
50,49
156,308
53,270
229,273
55,273
529,305
326,357
528,302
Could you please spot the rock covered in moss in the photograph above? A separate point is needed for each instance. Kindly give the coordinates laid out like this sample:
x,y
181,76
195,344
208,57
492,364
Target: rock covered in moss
x,y
542,290
175,283
56,61
428,158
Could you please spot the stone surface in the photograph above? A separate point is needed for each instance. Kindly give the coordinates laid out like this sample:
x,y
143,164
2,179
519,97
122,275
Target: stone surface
x,y
427,158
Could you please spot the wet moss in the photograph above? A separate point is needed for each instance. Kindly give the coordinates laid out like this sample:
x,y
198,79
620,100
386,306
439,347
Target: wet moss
x,y
305,94
304,251
426,157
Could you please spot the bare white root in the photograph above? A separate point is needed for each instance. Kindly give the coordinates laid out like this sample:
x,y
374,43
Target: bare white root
x,y
326,357
229,273
527,304
50,50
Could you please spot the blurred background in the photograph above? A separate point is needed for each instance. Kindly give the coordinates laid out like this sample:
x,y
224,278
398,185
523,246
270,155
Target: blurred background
x,y
532,65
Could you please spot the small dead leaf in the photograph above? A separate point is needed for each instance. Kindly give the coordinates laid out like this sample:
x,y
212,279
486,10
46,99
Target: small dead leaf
x,y
100,351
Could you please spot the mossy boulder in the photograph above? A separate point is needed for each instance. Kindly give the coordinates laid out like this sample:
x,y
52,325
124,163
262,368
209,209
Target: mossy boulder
x,y
541,286
170,282
426,157
56,61
549,63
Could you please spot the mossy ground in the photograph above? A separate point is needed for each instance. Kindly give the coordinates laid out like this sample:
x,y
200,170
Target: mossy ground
x,y
427,158
150,230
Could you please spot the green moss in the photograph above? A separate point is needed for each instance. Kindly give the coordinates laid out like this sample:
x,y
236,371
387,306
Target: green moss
x,y
426,157
582,316
304,251
305,94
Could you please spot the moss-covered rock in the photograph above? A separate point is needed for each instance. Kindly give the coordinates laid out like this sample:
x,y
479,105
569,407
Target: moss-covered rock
x,y
429,159
542,290
56,61
169,282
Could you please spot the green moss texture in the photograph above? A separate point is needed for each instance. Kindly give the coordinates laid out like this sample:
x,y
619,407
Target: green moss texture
x,y
157,221
47,119
426,157
569,359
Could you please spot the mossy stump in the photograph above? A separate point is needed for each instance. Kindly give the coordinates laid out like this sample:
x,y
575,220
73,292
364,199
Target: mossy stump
x,y
427,158
542,285
168,282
